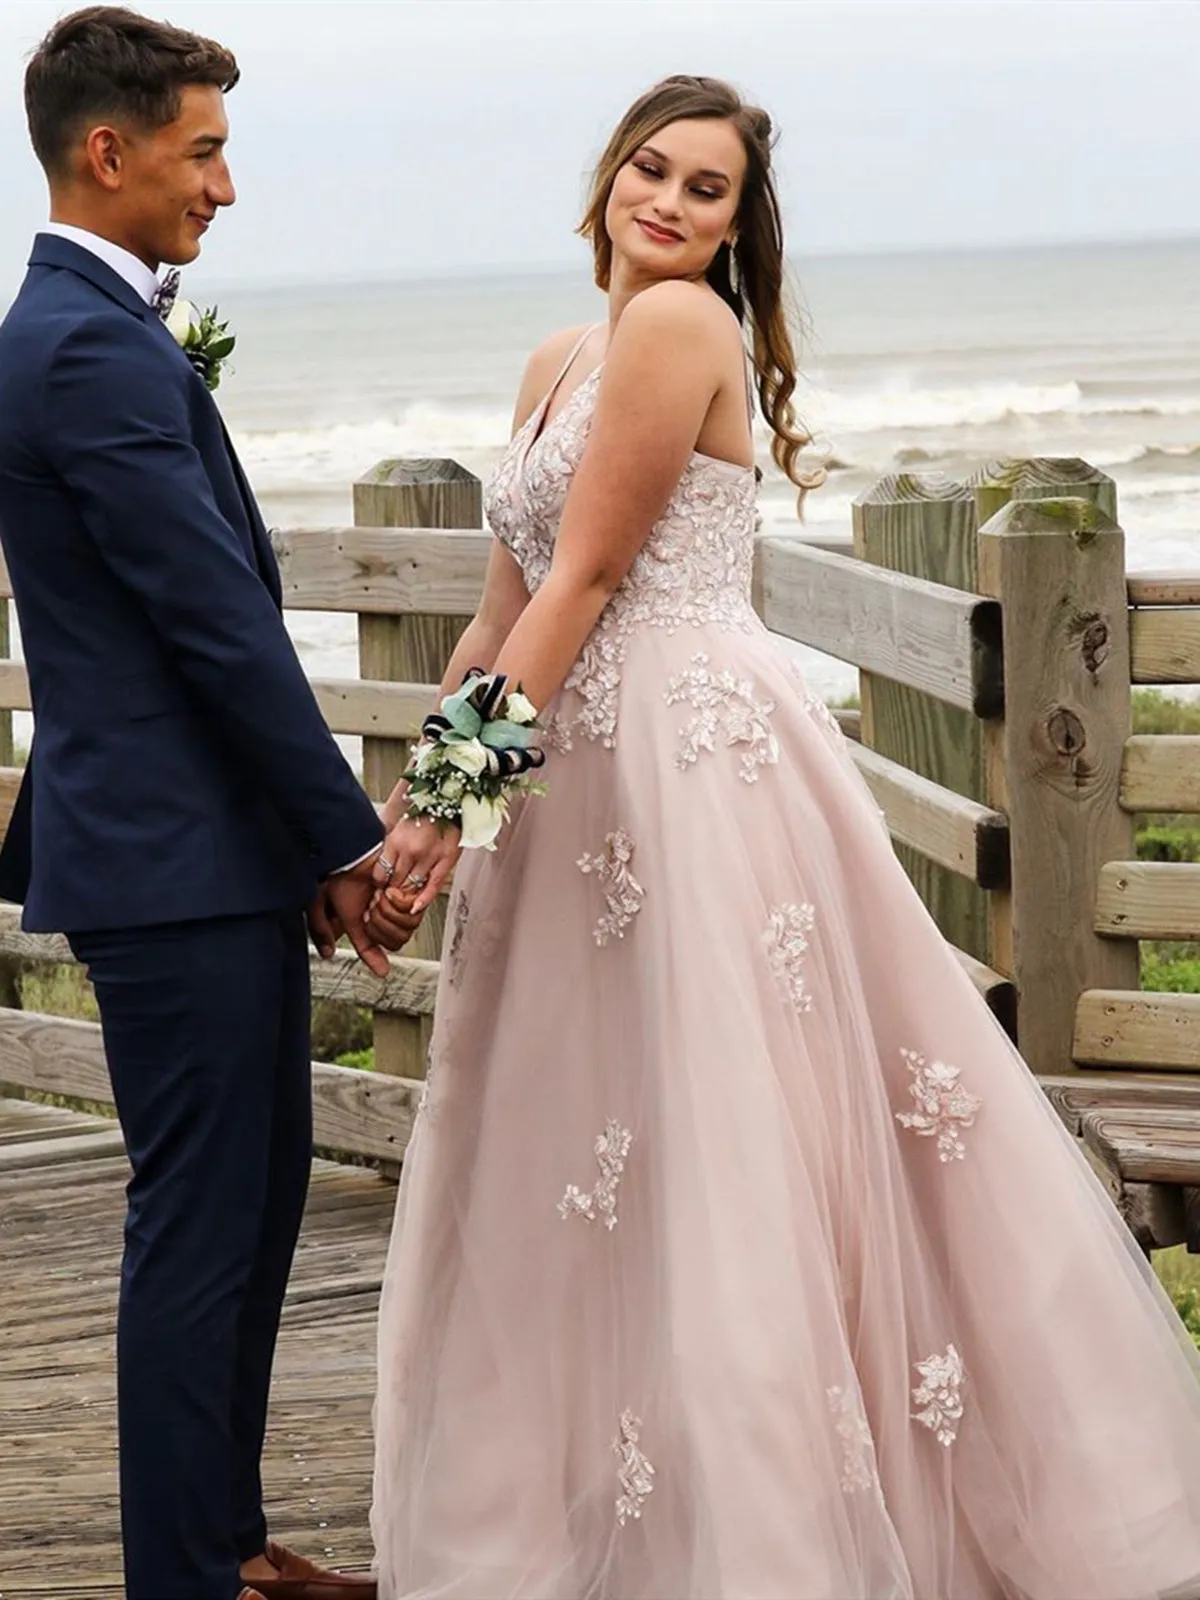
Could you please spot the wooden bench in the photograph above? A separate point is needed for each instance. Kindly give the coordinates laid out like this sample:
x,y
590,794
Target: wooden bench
x,y
1141,1133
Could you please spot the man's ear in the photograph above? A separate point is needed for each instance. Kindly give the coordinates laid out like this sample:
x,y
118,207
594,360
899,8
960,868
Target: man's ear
x,y
104,157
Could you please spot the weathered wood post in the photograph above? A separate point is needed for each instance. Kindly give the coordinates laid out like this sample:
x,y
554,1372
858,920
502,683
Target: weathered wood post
x,y
409,649
1041,478
1053,761
926,525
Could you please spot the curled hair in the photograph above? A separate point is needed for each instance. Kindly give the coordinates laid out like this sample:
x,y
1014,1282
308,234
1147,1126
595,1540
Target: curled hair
x,y
107,62
755,290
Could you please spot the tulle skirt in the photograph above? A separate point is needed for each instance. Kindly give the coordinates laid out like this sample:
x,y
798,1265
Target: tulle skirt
x,y
738,1256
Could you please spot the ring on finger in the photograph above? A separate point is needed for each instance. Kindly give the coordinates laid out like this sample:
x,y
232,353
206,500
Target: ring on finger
x,y
386,867
415,880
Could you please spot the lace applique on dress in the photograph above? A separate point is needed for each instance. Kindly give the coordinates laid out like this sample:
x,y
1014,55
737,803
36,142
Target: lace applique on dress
x,y
727,709
787,940
423,1097
939,1395
623,894
694,568
815,706
943,1107
557,735
635,1474
458,931
612,1151
858,1447
820,712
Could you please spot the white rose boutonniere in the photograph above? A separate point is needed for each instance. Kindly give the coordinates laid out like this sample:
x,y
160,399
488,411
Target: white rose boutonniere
x,y
204,340
181,319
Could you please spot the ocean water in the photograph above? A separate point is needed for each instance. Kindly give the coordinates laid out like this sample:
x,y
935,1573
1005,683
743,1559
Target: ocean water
x,y
932,362
929,362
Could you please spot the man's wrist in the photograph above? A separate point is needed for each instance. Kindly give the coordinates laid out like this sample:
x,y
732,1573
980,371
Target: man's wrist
x,y
367,855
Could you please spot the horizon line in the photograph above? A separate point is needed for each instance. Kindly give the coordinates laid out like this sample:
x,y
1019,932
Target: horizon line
x,y
427,276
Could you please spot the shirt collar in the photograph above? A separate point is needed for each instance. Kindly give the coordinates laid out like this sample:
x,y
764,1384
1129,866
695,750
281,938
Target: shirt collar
x,y
135,273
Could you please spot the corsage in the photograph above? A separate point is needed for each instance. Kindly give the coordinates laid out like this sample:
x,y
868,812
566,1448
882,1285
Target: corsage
x,y
475,752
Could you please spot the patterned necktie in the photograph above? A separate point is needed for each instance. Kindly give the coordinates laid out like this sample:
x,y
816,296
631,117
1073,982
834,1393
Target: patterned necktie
x,y
167,293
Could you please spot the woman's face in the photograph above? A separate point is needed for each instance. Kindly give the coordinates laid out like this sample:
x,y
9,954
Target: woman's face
x,y
675,200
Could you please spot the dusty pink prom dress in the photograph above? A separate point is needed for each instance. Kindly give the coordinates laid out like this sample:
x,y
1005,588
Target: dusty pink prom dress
x,y
738,1255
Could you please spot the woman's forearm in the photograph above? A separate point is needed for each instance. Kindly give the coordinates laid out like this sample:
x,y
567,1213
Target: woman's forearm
x,y
479,646
547,637
537,652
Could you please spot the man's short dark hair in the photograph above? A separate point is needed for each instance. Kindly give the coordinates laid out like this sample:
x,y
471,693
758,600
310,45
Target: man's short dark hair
x,y
106,62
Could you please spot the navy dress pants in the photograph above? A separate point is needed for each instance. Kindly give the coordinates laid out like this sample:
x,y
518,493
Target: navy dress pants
x,y
206,1027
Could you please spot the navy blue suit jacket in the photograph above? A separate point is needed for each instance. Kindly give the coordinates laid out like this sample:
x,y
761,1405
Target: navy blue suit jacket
x,y
181,767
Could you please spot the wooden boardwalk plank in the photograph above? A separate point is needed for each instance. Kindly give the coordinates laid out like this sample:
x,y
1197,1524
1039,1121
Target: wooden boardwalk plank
x,y
60,1242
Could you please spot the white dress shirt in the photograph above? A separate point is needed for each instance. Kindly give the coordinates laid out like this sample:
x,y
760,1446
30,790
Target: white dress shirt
x,y
144,283
135,273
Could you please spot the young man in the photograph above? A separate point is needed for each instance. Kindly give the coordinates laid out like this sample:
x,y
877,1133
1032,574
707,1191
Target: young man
x,y
184,798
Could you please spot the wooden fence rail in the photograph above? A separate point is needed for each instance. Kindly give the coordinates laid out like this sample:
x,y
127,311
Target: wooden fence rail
x,y
922,634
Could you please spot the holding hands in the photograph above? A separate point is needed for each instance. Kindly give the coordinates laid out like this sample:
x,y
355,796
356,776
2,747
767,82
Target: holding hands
x,y
474,753
378,904
343,906
409,872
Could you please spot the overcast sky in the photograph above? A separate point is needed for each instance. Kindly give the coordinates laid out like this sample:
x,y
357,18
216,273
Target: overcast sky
x,y
407,137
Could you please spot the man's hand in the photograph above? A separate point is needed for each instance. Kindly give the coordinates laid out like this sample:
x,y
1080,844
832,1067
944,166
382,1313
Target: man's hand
x,y
324,925
391,920
348,898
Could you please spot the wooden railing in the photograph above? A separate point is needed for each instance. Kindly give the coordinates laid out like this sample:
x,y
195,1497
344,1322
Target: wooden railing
x,y
997,635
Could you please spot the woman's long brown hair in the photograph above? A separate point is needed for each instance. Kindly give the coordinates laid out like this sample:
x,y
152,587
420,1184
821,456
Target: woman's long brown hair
x,y
755,292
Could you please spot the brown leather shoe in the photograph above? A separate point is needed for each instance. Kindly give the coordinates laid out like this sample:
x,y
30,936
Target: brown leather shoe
x,y
301,1579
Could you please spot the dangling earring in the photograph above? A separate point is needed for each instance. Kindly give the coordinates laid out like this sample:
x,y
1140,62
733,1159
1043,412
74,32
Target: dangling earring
x,y
735,276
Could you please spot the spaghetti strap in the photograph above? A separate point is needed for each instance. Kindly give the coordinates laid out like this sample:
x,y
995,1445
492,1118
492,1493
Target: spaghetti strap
x,y
540,410
567,364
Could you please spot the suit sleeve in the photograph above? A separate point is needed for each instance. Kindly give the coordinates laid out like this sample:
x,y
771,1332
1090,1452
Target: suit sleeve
x,y
116,425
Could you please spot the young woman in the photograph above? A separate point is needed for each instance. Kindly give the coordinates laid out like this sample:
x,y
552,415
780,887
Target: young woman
x,y
738,1255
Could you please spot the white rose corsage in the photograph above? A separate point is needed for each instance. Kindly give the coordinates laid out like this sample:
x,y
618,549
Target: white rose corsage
x,y
476,751
204,340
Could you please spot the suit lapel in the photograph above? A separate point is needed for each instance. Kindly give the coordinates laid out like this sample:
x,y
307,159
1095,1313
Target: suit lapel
x,y
259,541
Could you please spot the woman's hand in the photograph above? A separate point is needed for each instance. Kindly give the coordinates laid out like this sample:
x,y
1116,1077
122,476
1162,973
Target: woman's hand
x,y
416,860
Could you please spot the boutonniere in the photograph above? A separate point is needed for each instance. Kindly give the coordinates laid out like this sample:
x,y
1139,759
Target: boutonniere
x,y
204,339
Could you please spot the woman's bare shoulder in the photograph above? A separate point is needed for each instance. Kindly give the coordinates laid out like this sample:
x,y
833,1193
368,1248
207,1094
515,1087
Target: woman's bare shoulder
x,y
679,312
542,368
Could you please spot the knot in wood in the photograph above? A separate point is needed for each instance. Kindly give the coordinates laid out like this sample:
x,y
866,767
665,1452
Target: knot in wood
x,y
1065,731
1095,643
